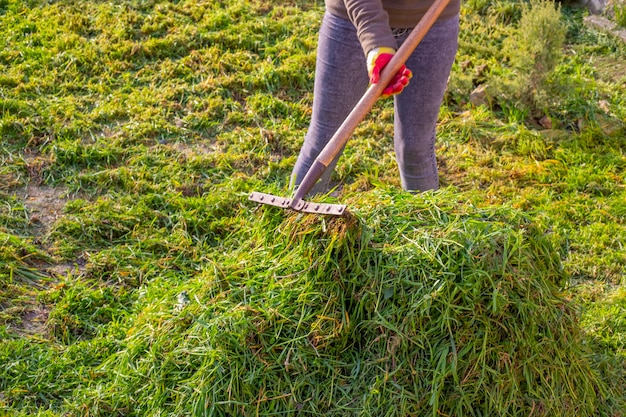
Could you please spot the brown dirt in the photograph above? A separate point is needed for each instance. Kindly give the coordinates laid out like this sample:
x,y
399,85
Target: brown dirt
x,y
45,205
34,321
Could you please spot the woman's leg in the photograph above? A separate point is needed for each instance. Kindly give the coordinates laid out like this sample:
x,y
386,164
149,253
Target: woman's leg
x,y
340,81
417,107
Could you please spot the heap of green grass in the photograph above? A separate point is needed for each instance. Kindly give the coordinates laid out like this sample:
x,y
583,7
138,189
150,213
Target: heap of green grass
x,y
417,306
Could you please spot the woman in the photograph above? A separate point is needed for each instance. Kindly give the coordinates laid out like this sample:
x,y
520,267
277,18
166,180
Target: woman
x,y
356,40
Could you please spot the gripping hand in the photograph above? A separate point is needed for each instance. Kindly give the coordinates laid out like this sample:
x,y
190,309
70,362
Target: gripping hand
x,y
377,59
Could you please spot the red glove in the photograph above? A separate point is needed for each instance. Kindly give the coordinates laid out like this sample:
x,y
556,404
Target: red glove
x,y
377,59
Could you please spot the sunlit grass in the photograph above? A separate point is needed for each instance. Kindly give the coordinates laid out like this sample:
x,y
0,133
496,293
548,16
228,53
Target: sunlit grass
x,y
160,290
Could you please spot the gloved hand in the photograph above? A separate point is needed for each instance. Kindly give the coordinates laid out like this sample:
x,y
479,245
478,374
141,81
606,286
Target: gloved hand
x,y
377,59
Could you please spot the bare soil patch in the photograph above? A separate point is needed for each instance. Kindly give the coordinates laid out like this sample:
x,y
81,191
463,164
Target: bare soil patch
x,y
45,204
33,321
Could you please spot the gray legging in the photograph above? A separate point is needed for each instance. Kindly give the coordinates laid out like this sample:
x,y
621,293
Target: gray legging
x,y
341,79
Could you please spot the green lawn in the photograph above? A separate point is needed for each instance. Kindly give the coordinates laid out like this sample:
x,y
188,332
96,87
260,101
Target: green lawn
x,y
136,279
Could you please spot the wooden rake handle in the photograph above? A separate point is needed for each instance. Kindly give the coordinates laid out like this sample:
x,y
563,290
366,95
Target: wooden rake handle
x,y
366,102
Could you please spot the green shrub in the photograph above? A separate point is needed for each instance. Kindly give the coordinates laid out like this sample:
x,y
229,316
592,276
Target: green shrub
x,y
533,50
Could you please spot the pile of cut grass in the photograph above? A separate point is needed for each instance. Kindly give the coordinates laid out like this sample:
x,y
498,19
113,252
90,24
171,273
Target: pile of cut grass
x,y
416,306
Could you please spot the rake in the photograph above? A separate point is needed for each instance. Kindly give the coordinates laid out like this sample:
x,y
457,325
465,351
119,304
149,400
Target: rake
x,y
358,113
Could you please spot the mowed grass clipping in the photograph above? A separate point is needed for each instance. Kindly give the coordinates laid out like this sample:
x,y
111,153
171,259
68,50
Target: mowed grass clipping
x,y
419,306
